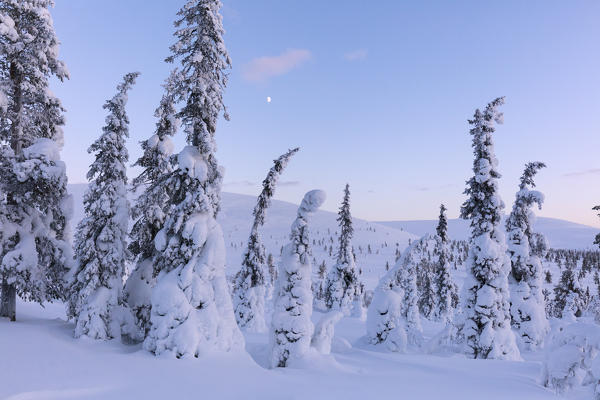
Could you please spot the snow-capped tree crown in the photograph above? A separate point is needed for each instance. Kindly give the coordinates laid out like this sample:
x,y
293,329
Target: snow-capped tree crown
x,y
110,149
483,207
520,221
28,58
204,60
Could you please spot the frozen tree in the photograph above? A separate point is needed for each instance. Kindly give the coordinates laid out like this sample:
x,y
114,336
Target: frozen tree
x,y
204,59
34,205
101,238
343,282
486,328
291,326
318,287
149,210
446,288
597,239
191,308
251,281
528,307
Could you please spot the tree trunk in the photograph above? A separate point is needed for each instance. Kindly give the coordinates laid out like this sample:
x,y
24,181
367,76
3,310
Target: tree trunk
x,y
8,302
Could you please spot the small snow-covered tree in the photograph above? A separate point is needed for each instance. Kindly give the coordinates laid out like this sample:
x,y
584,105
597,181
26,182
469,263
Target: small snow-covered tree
x,y
528,307
343,287
393,316
34,205
191,310
568,295
101,238
291,325
486,328
252,280
446,288
149,212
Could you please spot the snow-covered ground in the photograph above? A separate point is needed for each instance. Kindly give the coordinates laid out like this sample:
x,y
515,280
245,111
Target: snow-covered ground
x,y
41,360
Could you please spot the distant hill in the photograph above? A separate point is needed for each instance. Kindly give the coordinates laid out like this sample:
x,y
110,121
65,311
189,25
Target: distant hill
x,y
236,218
560,234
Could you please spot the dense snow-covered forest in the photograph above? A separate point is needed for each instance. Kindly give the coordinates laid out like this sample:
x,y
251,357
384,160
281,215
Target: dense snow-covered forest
x,y
167,286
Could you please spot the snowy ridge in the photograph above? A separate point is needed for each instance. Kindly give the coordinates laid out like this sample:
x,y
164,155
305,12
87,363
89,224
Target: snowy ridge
x,y
561,234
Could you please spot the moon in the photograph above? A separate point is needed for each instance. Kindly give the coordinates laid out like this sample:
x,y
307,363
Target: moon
x,y
268,99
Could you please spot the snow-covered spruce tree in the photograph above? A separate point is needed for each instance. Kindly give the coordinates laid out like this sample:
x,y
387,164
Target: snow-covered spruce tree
x,y
527,301
192,313
252,280
446,288
34,206
95,293
343,281
486,330
149,210
291,326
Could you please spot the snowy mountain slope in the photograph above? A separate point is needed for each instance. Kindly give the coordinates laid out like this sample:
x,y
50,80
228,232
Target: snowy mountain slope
x,y
236,219
561,234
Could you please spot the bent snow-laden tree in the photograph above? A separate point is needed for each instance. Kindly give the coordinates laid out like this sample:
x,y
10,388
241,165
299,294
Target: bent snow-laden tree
x,y
192,313
343,287
446,288
96,289
149,210
250,287
35,251
393,317
291,326
486,330
528,307
597,238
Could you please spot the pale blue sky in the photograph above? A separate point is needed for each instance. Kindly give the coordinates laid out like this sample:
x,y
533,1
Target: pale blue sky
x,y
376,93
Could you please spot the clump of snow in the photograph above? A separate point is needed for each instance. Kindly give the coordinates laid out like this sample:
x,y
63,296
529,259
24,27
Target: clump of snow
x,y
572,357
191,162
324,330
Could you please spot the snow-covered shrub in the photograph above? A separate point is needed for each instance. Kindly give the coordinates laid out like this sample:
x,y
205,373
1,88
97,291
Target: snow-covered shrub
x,y
393,316
572,358
291,326
324,331
486,298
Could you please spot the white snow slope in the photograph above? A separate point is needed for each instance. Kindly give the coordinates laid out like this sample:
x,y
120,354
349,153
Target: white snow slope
x,y
560,234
